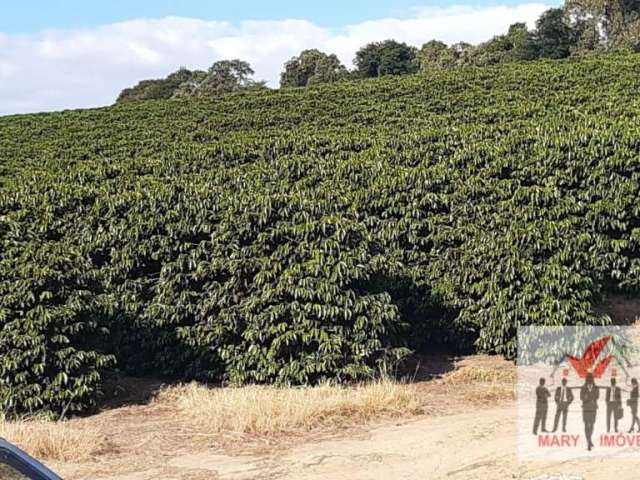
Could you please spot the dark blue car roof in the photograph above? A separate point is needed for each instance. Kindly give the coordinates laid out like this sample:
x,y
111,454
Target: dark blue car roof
x,y
25,464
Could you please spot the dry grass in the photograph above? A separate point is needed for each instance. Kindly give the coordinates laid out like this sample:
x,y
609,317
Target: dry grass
x,y
481,374
53,441
482,380
143,428
265,410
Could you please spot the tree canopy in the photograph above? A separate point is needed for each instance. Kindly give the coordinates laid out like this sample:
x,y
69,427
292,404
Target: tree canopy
x,y
386,58
161,88
227,76
577,28
312,67
554,36
223,76
618,21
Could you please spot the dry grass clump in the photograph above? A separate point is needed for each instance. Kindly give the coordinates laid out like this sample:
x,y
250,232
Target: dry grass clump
x,y
482,380
482,369
52,441
258,415
482,374
269,410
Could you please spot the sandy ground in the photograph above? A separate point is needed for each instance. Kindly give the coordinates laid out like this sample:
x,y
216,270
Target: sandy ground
x,y
475,445
467,431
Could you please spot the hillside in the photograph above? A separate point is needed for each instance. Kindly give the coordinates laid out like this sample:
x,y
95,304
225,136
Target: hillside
x,y
326,232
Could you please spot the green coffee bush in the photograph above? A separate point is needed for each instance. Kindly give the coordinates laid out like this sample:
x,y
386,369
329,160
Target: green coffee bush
x,y
306,235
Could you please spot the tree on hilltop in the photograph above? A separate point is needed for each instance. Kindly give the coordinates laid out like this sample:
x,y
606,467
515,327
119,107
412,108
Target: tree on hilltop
x,y
227,76
312,67
157,89
617,21
554,35
224,76
386,58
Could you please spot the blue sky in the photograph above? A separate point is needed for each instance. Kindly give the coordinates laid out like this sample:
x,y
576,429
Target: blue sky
x,y
28,16
61,54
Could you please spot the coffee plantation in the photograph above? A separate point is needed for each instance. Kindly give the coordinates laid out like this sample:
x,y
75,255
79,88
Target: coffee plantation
x,y
313,234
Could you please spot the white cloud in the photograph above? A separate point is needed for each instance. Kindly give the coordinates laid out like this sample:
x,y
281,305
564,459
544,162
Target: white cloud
x,y
59,69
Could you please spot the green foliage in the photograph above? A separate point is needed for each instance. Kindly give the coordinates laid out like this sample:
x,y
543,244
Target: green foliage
x,y
617,21
435,54
521,42
158,89
554,36
516,45
259,238
386,58
224,76
312,67
580,27
52,333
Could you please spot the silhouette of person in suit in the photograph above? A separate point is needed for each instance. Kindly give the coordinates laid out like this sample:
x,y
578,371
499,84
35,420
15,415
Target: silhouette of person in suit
x,y
563,398
542,406
614,405
633,404
589,395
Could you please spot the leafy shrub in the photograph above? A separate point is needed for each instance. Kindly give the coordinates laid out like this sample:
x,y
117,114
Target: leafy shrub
x,y
305,235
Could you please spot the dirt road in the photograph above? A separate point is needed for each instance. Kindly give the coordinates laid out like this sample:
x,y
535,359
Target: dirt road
x,y
477,445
